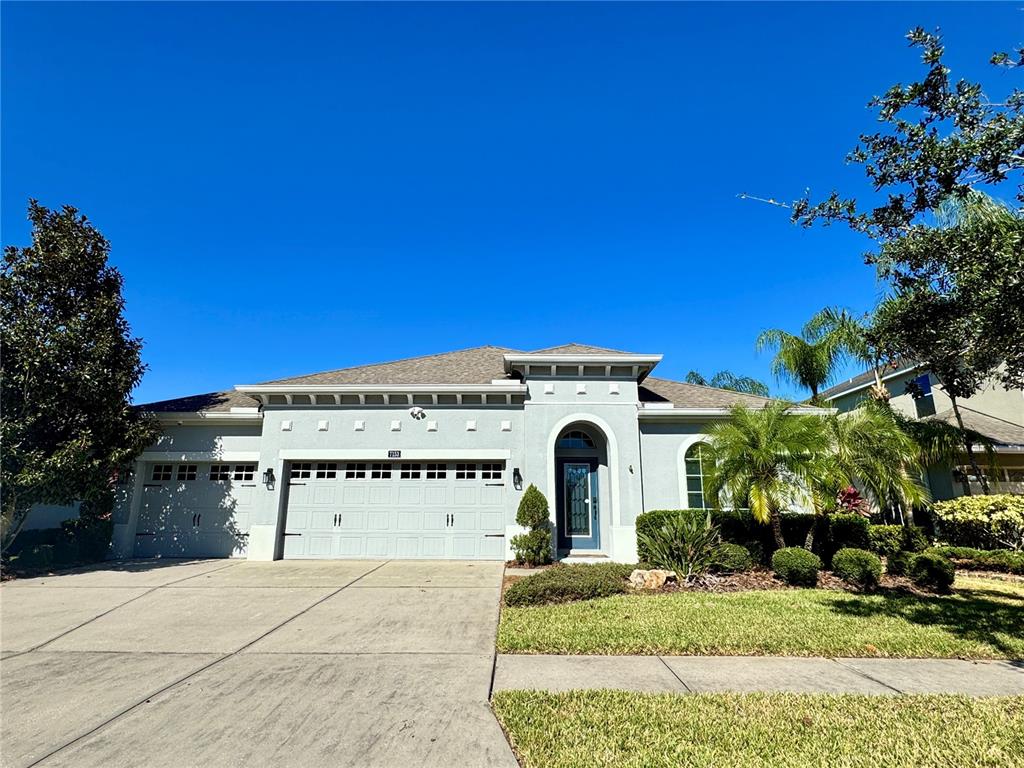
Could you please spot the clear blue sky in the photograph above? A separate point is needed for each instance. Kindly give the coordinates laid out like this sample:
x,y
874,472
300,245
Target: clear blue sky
x,y
294,188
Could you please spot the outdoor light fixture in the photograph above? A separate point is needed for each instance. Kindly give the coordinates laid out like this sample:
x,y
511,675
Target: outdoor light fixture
x,y
517,479
268,478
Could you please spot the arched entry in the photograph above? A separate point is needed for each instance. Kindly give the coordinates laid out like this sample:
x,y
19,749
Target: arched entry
x,y
581,459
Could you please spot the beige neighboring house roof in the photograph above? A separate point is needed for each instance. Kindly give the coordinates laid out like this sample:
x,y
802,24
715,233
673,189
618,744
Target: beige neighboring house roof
x,y
479,365
999,431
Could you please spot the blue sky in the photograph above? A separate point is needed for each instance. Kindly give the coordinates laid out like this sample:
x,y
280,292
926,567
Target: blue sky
x,y
294,188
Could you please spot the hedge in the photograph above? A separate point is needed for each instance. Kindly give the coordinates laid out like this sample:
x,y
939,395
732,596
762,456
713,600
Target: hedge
x,y
931,570
857,566
984,559
796,566
739,527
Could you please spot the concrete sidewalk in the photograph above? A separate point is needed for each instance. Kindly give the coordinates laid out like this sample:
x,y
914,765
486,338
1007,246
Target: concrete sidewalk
x,y
714,674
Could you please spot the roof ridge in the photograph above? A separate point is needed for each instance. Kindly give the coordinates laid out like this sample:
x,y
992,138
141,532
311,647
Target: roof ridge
x,y
389,362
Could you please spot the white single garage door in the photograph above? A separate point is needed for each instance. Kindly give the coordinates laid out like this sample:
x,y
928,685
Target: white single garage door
x,y
437,510
195,510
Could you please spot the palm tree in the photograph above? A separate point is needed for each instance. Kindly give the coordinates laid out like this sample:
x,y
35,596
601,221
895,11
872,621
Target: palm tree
x,y
853,338
880,457
806,362
729,380
763,459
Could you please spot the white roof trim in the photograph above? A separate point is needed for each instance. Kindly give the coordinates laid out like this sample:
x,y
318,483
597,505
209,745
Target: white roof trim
x,y
871,383
661,412
616,358
207,417
511,387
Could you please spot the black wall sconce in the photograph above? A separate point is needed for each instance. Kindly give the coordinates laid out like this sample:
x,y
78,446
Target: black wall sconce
x,y
517,479
268,478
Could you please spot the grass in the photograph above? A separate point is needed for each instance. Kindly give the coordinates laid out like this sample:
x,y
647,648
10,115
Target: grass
x,y
983,619
777,730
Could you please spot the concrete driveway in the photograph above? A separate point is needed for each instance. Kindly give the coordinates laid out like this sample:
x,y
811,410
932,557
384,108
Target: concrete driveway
x,y
222,663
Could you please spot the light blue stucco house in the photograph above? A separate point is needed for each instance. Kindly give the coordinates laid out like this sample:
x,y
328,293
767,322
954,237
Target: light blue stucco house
x,y
422,458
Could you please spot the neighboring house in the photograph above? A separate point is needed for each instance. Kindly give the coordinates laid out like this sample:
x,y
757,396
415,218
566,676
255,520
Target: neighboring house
x,y
995,412
422,458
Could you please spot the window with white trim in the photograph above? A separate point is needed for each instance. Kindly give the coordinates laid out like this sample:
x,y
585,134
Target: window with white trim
x,y
465,471
490,471
220,472
410,472
301,471
437,471
696,462
187,472
244,472
380,471
327,470
162,471
355,471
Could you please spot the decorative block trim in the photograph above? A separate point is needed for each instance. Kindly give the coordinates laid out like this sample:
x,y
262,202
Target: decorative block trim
x,y
323,425
396,425
506,426
286,425
359,426
431,426
471,425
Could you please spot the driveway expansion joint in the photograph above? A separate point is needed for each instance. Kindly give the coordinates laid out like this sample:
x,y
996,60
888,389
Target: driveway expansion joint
x,y
676,676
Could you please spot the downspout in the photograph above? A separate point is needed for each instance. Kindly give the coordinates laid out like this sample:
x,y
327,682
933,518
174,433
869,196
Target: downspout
x,y
640,454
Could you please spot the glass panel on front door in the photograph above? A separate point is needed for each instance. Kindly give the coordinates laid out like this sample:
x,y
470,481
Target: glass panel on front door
x,y
577,499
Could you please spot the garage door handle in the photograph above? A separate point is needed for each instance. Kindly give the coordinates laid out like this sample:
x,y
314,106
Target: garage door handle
x,y
193,520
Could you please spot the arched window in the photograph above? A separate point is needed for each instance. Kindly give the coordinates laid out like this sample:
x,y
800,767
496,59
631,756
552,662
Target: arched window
x,y
696,463
576,439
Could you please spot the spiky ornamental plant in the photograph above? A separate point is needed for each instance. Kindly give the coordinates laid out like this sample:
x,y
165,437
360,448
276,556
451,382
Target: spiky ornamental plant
x,y
68,367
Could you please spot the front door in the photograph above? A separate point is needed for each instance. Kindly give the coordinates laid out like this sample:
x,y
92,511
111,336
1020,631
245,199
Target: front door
x,y
579,513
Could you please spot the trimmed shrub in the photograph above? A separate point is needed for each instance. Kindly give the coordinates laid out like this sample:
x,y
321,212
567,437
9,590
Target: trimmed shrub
x,y
984,559
889,539
797,566
857,566
995,521
930,570
731,558
846,530
898,563
683,543
533,508
566,583
534,546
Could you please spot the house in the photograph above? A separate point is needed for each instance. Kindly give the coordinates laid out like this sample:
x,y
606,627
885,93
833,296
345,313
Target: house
x,y
995,412
422,458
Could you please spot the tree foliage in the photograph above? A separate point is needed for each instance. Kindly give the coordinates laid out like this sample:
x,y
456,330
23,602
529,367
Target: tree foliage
x,y
69,365
808,360
729,380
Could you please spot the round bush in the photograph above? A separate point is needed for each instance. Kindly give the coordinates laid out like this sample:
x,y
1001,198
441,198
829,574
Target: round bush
x,y
731,558
898,564
797,566
857,566
930,570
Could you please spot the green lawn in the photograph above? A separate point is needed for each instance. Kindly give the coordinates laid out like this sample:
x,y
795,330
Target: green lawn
x,y
777,730
984,618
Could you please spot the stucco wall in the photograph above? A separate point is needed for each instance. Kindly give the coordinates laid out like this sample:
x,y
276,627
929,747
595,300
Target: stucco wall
x,y
663,445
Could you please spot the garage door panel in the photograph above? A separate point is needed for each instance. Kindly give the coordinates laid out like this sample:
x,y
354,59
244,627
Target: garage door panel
x,y
323,494
404,515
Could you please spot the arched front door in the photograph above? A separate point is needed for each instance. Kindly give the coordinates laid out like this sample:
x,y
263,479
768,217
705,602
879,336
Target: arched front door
x,y
579,453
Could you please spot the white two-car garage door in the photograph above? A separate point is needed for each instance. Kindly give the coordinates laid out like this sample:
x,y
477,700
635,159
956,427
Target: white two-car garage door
x,y
396,510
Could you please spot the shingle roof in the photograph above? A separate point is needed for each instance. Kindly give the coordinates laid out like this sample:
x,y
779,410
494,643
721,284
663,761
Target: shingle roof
x,y
683,395
212,402
999,431
479,365
868,377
